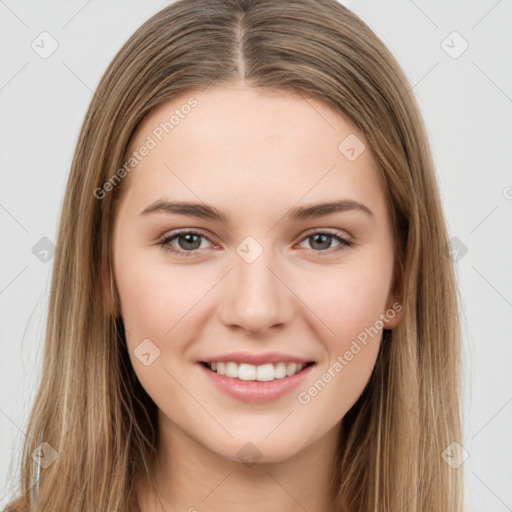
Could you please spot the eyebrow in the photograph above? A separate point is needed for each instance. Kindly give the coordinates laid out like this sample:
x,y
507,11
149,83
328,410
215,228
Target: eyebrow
x,y
204,211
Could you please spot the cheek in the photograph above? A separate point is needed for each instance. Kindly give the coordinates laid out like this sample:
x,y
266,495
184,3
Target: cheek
x,y
350,305
154,296
346,301
156,304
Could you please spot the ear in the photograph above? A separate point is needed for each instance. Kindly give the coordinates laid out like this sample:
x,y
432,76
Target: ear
x,y
393,314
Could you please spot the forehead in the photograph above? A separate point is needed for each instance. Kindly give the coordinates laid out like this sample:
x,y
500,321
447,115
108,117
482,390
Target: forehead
x,y
239,144
240,119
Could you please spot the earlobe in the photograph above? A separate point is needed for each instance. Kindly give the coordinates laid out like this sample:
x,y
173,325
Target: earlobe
x,y
393,315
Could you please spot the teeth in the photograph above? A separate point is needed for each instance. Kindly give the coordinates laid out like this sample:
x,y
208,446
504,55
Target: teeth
x,y
264,372
280,370
246,372
231,370
291,368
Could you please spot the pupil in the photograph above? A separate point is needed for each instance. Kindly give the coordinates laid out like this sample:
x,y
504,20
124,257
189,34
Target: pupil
x,y
188,240
325,237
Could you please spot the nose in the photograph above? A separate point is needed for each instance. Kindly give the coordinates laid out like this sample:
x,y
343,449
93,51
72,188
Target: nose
x,y
255,296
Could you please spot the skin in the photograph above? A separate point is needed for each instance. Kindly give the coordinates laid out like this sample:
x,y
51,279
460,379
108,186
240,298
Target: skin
x,y
255,154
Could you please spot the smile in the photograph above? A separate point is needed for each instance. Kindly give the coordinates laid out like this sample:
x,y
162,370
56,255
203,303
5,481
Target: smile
x,y
256,383
264,372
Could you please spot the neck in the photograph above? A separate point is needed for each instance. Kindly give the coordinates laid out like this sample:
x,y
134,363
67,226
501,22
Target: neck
x,y
187,476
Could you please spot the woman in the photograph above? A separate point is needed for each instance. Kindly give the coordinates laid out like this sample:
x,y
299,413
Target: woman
x,y
256,370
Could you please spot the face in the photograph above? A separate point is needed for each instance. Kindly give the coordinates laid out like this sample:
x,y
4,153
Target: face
x,y
271,281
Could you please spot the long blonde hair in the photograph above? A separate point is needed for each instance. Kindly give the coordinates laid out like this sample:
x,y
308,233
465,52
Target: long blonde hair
x,y
90,407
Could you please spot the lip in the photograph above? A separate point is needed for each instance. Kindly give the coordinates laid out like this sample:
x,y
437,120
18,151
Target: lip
x,y
257,359
256,391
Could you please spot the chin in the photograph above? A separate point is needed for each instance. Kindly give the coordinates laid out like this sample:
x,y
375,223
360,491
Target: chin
x,y
258,451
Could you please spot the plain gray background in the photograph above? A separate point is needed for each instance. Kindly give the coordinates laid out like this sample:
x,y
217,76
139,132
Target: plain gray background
x,y
466,100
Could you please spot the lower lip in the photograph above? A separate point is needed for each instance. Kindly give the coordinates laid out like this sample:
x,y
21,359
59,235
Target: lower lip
x,y
254,390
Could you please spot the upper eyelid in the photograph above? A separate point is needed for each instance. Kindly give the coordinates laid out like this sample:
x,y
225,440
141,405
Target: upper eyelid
x,y
194,231
329,231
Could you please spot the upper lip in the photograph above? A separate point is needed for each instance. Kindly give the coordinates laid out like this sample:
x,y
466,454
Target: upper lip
x,y
257,359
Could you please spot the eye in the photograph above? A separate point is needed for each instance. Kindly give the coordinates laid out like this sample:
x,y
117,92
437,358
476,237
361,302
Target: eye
x,y
189,242
322,240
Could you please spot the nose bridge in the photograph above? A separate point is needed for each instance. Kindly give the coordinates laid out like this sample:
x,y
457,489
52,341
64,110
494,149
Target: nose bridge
x,y
257,297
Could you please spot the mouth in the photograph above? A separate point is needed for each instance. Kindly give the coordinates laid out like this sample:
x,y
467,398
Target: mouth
x,y
261,373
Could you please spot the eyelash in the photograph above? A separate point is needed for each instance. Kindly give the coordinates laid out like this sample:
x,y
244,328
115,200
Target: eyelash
x,y
165,243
